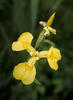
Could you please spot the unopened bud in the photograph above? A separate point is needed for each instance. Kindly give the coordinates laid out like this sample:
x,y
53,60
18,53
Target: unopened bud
x,y
42,23
52,30
47,34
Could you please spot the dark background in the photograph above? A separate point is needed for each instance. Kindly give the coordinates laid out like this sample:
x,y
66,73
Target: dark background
x,y
17,16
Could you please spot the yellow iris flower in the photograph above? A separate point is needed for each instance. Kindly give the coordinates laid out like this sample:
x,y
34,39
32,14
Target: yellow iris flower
x,y
52,55
24,43
25,71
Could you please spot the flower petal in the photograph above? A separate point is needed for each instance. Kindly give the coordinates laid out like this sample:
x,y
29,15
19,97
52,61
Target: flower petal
x,y
29,76
19,71
54,53
26,37
25,72
17,46
53,64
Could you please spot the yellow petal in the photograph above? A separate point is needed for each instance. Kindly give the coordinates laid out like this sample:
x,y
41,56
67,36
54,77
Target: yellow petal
x,y
26,37
54,53
31,50
25,72
50,21
17,46
23,42
19,71
43,54
29,76
53,64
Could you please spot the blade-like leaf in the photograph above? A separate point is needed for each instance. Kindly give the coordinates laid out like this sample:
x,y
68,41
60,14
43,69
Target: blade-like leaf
x,y
57,4
19,15
2,55
34,12
40,40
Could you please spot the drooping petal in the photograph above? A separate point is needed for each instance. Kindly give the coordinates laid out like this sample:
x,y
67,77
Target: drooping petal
x,y
53,64
54,53
53,56
50,21
29,76
25,72
19,71
26,37
24,43
17,46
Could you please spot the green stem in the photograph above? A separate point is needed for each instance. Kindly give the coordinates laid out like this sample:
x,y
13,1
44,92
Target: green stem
x,y
40,39
49,42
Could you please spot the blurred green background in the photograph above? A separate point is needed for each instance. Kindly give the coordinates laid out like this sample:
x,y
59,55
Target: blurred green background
x,y
17,16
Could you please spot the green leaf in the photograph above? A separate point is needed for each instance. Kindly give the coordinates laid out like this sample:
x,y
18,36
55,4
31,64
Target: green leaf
x,y
2,55
34,12
3,33
19,15
40,40
57,4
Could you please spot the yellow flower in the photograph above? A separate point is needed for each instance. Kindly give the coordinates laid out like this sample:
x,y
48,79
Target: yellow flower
x,y
26,71
24,43
53,55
